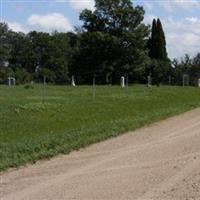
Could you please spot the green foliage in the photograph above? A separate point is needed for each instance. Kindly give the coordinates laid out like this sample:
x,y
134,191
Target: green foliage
x,y
70,118
160,66
161,51
28,86
157,42
112,42
158,70
10,72
4,44
188,66
48,53
2,75
27,53
22,76
114,36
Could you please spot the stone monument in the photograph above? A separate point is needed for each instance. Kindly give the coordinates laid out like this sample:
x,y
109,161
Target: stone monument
x,y
123,82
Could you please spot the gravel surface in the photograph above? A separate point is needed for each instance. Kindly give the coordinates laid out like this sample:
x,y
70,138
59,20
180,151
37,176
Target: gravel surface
x,y
161,161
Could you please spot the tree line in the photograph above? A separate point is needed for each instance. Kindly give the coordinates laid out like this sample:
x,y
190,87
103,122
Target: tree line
x,y
112,42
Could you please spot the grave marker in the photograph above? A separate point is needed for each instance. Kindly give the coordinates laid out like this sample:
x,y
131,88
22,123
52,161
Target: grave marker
x,y
122,82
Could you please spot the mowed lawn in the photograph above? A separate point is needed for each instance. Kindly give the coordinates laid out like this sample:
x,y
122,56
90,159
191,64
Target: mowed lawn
x,y
70,118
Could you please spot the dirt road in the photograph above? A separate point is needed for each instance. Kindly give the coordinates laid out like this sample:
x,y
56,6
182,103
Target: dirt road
x,y
157,162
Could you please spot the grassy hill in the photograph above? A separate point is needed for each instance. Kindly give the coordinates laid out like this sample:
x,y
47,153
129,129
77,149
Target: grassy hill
x,y
70,118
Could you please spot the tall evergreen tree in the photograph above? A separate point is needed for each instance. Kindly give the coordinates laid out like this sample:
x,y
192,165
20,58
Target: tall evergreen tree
x,y
160,65
152,41
157,42
161,42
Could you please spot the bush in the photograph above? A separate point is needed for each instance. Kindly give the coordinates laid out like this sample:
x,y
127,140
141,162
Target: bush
x,y
29,86
22,76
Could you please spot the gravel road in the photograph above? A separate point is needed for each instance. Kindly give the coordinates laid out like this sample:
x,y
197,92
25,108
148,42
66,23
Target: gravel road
x,y
159,162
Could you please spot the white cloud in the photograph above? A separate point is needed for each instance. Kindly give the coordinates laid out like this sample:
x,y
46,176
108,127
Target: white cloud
x,y
149,19
148,6
171,5
192,19
183,36
82,4
49,22
17,27
45,23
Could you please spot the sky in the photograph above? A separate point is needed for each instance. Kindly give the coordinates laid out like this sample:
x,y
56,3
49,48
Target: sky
x,y
180,19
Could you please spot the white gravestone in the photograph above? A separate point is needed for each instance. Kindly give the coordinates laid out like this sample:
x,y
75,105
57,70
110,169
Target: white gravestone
x,y
149,79
199,83
73,81
186,80
11,81
122,82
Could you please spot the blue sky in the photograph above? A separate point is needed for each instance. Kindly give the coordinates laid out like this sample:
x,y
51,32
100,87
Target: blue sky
x,y
180,18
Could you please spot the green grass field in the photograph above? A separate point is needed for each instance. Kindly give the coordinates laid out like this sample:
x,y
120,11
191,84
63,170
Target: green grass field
x,y
70,118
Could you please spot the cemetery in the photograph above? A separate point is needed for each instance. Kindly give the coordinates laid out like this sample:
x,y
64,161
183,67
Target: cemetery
x,y
99,99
